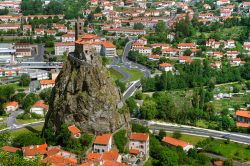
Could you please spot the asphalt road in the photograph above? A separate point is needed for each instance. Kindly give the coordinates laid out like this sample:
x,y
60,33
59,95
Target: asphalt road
x,y
11,120
40,53
236,137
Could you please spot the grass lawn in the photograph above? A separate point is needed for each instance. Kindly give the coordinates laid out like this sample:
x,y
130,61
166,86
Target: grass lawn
x,y
35,129
49,49
229,103
119,52
189,138
2,127
135,74
21,121
16,86
232,150
115,74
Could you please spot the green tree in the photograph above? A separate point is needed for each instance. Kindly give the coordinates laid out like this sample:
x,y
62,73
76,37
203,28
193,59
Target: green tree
x,y
29,100
121,85
54,7
131,105
139,26
24,80
121,140
187,52
45,94
148,109
177,134
162,134
25,139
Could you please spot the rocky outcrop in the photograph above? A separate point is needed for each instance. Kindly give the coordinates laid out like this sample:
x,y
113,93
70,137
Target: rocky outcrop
x,y
86,96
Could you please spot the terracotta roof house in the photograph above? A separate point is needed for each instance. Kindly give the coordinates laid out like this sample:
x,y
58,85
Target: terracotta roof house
x,y
243,118
139,142
74,131
39,107
34,150
103,143
11,106
10,149
175,142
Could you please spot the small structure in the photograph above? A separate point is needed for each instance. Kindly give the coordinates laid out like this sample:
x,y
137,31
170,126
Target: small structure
x,y
175,142
139,142
34,150
47,84
39,108
243,118
166,67
103,143
10,149
11,106
74,131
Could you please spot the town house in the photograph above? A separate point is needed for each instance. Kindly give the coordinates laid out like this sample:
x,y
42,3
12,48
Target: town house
x,y
139,142
103,143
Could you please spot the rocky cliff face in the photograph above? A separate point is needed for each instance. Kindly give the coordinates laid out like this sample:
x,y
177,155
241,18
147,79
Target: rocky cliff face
x,y
86,96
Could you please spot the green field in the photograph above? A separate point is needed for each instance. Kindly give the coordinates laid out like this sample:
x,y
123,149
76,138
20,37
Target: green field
x,y
35,129
189,138
115,74
21,121
16,86
231,150
135,74
2,127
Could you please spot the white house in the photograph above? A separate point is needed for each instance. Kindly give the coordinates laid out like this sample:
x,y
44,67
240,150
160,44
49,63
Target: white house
x,y
229,44
166,67
39,108
184,46
143,41
68,38
11,106
64,47
185,59
47,84
108,49
143,50
139,142
103,143
175,142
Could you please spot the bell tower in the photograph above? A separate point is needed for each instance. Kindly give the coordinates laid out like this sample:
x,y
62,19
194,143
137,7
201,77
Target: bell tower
x,y
79,28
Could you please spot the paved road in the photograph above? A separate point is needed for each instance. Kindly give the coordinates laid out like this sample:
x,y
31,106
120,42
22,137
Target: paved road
x,y
40,53
11,120
168,127
18,127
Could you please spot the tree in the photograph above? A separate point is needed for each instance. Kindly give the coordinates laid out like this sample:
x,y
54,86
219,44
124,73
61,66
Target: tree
x,y
29,100
228,162
162,134
131,105
25,139
19,97
148,109
54,7
45,94
121,85
177,134
98,9
139,26
187,52
24,80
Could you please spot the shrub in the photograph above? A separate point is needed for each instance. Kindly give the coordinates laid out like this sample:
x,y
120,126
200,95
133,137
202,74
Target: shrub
x,y
121,140
177,134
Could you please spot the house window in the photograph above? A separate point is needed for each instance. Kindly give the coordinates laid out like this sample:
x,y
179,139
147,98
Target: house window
x,y
141,146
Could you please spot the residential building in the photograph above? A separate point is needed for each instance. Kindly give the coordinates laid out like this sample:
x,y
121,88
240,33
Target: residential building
x,y
76,133
246,46
10,149
39,108
68,38
9,27
7,52
64,47
11,106
143,50
119,31
232,54
185,59
176,142
212,43
171,51
108,49
229,44
139,142
184,46
39,31
243,118
103,143
32,151
160,45
143,41
165,67
47,84
51,32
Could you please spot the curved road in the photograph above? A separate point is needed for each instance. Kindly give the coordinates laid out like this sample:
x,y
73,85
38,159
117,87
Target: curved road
x,y
169,127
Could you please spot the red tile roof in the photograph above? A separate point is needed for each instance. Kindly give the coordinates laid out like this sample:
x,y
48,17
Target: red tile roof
x,y
46,82
245,114
139,136
59,160
94,156
88,163
111,155
165,65
13,104
244,125
34,150
10,149
174,142
103,139
113,163
134,151
73,129
108,44
41,104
